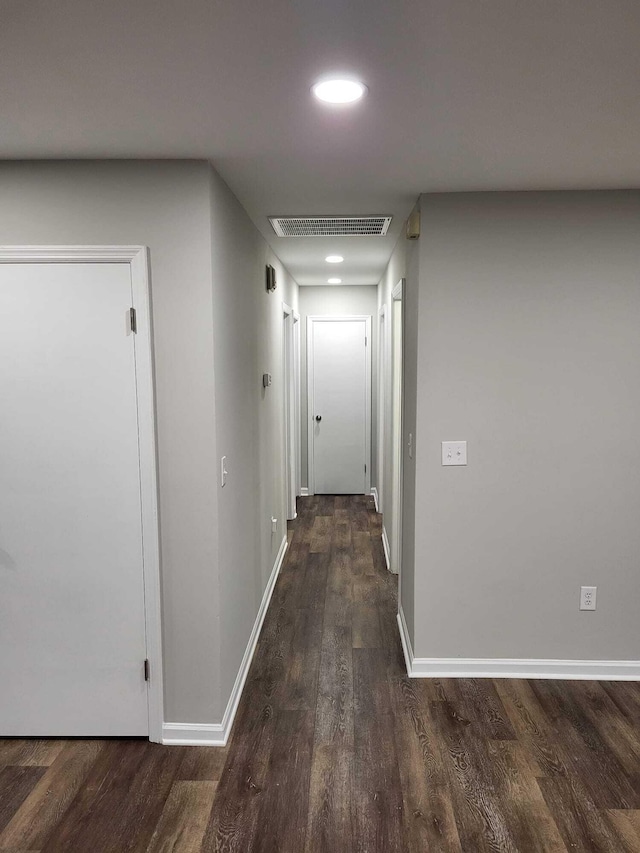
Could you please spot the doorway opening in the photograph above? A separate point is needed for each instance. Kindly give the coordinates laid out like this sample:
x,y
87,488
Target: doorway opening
x,y
397,367
291,360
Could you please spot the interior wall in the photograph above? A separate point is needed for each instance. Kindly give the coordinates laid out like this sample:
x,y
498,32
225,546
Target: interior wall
x,y
248,336
165,206
528,317
216,331
336,300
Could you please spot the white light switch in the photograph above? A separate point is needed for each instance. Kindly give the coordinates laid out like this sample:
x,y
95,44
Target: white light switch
x,y
454,452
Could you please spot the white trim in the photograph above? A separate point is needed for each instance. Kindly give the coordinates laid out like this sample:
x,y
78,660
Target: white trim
x,y
193,734
385,546
291,430
405,639
324,318
217,734
70,254
382,400
137,258
374,495
304,492
397,434
572,670
397,292
296,384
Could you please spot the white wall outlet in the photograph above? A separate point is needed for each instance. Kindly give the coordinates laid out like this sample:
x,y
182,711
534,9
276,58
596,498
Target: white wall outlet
x,y
223,471
454,452
588,597
274,525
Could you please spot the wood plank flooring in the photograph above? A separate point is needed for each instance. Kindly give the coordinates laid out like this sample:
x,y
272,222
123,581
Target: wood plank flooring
x,y
335,750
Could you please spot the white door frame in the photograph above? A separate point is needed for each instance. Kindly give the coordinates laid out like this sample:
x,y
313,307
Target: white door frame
x,y
310,400
291,403
137,258
397,295
382,402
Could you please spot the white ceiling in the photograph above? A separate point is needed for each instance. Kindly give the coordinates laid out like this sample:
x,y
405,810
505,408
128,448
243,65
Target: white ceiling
x,y
464,95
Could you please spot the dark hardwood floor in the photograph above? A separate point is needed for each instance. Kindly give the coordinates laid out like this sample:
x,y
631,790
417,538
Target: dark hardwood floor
x,y
334,749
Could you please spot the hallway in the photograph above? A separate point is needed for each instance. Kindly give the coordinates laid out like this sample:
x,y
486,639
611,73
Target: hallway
x,y
335,749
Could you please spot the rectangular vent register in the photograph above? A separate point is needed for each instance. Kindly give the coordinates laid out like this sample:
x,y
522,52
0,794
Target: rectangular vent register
x,y
330,226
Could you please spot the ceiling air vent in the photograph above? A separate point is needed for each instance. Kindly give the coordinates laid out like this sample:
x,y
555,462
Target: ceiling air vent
x,y
330,226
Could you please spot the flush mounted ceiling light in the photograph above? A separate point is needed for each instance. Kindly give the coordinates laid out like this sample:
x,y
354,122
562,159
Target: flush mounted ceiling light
x,y
334,259
339,91
334,281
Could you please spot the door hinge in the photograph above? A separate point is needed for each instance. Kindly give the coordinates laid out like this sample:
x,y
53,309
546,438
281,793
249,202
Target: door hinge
x,y
147,670
365,340
365,469
133,322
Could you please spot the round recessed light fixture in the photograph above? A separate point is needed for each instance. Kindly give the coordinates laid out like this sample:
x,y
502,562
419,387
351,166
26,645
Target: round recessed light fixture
x,y
339,91
334,281
334,259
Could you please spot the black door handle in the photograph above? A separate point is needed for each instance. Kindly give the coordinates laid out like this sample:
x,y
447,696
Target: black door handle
x,y
318,417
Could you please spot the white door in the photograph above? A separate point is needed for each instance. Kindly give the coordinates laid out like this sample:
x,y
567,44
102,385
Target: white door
x,y
72,622
339,394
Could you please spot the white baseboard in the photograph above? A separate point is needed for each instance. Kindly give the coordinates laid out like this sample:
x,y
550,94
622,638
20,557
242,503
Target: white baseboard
x,y
405,639
572,670
385,546
304,492
194,734
217,734
374,492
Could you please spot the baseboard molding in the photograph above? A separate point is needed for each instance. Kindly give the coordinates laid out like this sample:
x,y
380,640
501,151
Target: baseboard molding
x,y
304,492
405,639
374,492
570,670
217,734
385,546
194,734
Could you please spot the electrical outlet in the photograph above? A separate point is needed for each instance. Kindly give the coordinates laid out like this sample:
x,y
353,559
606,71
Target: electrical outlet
x,y
588,597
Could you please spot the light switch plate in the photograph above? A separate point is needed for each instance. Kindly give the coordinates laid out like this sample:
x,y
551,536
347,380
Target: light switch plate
x,y
454,452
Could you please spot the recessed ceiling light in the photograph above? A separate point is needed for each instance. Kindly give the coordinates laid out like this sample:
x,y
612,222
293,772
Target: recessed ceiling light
x,y
339,91
334,259
334,281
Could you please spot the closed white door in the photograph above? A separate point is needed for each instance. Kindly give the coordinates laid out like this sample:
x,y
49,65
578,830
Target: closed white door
x,y
72,626
339,383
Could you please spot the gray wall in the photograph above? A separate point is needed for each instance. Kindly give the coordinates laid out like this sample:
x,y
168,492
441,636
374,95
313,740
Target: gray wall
x,y
248,336
528,347
164,206
336,300
216,330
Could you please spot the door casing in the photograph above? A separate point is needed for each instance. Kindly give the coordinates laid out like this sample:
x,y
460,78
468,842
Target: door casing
x,y
137,258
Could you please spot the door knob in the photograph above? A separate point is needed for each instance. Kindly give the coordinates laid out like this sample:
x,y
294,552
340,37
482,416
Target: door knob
x,y
318,417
